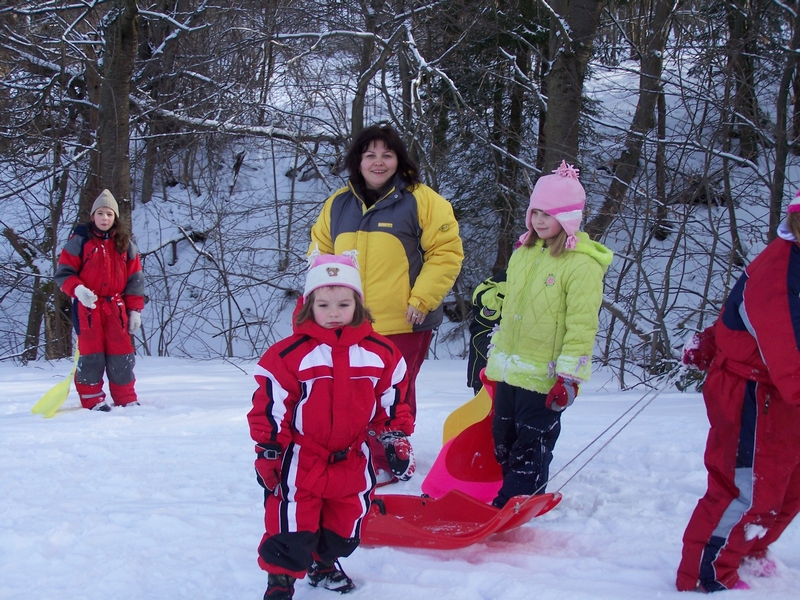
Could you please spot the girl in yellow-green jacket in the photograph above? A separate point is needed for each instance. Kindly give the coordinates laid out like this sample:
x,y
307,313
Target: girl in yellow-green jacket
x,y
542,350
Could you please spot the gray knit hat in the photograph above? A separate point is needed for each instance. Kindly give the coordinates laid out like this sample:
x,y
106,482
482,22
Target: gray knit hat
x,y
106,199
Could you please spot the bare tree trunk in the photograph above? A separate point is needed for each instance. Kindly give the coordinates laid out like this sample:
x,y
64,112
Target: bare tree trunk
x,y
643,120
58,321
31,254
368,47
572,30
28,253
155,35
114,131
504,203
369,69
738,254
781,144
509,169
405,85
94,184
740,17
796,105
662,227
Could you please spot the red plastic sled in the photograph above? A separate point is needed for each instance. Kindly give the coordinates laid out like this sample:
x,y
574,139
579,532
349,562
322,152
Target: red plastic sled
x,y
454,521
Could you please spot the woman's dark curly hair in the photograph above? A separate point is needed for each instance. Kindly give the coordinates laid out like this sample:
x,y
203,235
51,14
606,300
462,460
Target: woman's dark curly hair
x,y
406,167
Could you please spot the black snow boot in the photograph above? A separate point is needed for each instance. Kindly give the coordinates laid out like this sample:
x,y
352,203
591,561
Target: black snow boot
x,y
330,576
279,587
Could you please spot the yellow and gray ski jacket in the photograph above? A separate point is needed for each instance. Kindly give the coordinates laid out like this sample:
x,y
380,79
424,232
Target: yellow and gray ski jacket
x,y
550,311
409,250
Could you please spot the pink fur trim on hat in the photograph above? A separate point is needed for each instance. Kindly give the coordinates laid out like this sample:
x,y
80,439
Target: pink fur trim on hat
x,y
561,196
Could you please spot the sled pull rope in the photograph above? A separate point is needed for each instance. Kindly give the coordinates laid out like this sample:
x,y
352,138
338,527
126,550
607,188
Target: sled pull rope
x,y
653,393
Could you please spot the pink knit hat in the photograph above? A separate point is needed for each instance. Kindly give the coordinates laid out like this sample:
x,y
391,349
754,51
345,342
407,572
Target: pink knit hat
x,y
562,196
333,269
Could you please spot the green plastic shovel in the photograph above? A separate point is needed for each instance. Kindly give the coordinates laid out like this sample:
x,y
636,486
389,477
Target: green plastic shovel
x,y
53,399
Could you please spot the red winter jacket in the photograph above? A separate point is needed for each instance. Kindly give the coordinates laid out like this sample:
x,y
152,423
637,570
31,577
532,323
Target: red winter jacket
x,y
95,263
324,389
758,331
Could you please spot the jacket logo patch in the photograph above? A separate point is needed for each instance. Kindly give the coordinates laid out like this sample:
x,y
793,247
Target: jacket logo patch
x,y
384,224
444,227
551,280
332,271
487,312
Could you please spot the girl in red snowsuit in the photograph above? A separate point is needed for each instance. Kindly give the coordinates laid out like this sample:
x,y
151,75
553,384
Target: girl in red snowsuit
x,y
752,396
321,393
100,269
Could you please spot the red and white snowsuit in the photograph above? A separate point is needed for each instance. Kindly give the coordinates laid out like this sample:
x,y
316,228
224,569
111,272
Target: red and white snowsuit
x,y
752,396
320,393
103,340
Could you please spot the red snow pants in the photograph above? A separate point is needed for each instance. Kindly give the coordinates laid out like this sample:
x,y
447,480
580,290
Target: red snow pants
x,y
105,345
316,512
753,462
414,347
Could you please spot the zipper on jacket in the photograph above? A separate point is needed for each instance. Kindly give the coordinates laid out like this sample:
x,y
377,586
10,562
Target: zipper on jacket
x,y
522,305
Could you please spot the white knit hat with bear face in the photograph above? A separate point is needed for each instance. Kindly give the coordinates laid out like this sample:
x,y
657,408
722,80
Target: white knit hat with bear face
x,y
333,269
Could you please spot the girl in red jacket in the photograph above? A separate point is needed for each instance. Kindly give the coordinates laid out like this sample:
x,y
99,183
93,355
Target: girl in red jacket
x,y
321,393
100,269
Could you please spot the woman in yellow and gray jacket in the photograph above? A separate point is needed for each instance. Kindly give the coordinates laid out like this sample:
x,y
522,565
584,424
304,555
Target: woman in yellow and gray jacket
x,y
407,240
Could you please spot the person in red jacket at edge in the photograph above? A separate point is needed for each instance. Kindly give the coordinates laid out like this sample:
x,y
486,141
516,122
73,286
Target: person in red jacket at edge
x,y
99,269
752,397
321,393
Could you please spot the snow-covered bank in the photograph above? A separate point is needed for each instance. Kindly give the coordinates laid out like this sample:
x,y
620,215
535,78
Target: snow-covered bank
x,y
160,501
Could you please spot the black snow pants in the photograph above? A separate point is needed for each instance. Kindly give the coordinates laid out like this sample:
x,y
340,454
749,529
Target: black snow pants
x,y
525,432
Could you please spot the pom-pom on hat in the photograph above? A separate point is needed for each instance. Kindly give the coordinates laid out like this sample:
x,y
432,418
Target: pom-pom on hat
x,y
333,269
562,196
784,230
106,199
794,205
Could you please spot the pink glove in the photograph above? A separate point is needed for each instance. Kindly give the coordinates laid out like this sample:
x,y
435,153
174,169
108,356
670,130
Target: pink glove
x,y
268,466
399,454
562,394
699,351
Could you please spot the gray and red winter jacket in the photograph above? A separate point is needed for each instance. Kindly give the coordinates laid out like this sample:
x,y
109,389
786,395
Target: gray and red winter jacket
x,y
321,391
95,262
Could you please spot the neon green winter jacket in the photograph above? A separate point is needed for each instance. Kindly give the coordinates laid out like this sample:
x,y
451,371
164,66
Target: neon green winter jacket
x,y
549,315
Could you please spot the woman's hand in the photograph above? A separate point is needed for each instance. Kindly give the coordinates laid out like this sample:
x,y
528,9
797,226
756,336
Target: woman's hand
x,y
414,315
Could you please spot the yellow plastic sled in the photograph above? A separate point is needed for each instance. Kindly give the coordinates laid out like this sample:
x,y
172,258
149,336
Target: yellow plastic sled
x,y
468,414
53,399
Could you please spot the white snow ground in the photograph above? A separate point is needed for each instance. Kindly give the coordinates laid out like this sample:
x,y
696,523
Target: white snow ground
x,y
160,501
